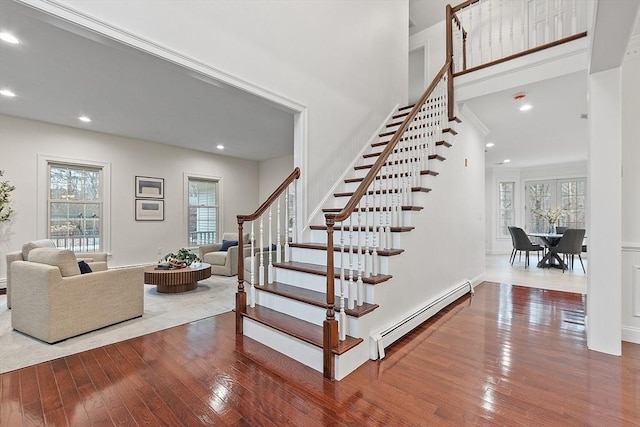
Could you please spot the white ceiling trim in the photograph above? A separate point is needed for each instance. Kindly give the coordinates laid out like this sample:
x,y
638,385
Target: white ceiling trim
x,y
54,8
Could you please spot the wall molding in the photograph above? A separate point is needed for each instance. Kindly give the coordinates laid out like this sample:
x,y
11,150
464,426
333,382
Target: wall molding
x,y
630,246
630,334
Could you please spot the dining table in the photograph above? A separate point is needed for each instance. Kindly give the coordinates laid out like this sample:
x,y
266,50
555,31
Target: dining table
x,y
549,240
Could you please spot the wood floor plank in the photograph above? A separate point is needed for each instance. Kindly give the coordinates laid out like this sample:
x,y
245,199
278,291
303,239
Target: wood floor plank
x,y
507,356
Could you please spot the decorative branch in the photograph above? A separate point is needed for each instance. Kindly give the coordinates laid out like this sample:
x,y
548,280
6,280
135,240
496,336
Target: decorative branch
x,y
5,199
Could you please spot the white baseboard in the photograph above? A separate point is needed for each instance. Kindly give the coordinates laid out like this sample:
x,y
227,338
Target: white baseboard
x,y
630,334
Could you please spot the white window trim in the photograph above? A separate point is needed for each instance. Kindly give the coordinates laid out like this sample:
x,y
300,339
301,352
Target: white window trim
x,y
185,202
42,194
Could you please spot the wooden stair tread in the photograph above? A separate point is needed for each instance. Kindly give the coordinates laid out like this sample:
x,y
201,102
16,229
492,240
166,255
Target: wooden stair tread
x,y
413,190
345,228
406,107
395,175
297,328
377,209
336,248
406,138
321,270
311,297
430,157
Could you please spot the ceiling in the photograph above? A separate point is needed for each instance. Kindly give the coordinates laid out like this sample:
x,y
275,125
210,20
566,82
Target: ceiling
x,y
552,132
61,71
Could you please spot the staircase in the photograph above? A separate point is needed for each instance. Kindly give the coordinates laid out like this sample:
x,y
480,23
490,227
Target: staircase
x,y
317,301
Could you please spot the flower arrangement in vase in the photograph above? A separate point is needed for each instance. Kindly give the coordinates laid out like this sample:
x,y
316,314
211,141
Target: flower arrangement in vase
x,y
5,199
552,216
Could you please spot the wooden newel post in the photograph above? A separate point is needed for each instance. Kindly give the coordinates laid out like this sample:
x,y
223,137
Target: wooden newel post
x,y
241,295
449,36
330,325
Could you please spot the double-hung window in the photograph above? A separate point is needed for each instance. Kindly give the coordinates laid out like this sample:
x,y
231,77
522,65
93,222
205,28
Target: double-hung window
x,y
203,211
75,207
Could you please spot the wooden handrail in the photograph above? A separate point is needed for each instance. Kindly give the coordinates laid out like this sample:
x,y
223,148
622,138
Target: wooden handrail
x,y
241,295
520,54
364,185
462,5
272,198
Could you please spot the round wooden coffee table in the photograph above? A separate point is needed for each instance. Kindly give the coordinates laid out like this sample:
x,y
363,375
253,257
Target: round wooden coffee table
x,y
176,280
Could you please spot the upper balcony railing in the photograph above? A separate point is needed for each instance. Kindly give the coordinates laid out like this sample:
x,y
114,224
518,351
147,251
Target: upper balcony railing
x,y
487,32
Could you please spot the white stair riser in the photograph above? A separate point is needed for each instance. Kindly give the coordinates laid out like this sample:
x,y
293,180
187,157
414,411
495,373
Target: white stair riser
x,y
378,218
303,352
308,313
318,283
315,256
299,350
415,198
350,187
320,236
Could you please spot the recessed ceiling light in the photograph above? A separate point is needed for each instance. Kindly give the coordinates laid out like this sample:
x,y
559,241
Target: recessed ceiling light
x,y
220,147
525,107
84,119
9,38
7,92
506,160
489,144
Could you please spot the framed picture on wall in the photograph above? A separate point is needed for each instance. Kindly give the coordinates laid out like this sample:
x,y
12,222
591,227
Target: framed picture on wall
x,y
148,187
149,210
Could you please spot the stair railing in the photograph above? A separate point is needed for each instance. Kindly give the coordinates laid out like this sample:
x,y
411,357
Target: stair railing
x,y
283,200
378,204
488,32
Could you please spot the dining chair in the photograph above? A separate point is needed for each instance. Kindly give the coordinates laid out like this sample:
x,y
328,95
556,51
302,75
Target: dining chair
x,y
513,243
522,243
570,244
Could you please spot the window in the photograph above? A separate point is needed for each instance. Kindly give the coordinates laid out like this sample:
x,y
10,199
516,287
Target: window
x,y
203,211
566,194
506,210
75,207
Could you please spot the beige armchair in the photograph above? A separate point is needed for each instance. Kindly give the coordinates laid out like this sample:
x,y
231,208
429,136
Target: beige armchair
x,y
224,263
52,301
96,260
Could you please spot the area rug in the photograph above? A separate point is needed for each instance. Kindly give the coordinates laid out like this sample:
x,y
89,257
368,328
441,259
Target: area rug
x,y
161,311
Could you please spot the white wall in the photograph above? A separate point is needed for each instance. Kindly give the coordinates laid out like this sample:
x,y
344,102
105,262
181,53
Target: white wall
x,y
271,174
132,242
631,196
520,176
345,61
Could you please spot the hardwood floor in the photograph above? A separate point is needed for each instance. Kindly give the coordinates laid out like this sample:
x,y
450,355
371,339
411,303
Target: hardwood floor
x,y
509,355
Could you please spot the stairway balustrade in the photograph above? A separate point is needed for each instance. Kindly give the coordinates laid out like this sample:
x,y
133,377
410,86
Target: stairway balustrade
x,y
287,192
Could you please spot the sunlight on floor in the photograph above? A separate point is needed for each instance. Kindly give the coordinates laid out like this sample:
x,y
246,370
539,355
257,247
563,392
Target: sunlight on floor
x,y
498,269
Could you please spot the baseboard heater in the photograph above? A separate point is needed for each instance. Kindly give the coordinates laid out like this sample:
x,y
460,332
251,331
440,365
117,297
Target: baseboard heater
x,y
383,339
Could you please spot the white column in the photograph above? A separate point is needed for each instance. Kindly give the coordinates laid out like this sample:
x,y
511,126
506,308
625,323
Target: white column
x,y
605,213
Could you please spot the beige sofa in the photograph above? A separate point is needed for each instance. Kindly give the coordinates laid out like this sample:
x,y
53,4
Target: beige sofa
x,y
52,301
96,260
224,263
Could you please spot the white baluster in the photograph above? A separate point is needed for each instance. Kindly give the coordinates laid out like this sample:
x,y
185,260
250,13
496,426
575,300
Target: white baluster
x,y
367,253
351,290
286,227
278,242
343,317
261,271
374,255
269,251
252,276
360,258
